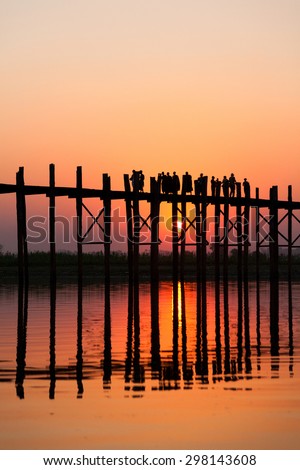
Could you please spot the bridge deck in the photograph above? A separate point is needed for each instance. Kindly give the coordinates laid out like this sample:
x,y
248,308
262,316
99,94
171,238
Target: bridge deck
x,y
73,192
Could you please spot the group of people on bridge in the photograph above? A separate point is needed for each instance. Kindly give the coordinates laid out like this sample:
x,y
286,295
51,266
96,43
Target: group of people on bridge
x,y
228,186
170,184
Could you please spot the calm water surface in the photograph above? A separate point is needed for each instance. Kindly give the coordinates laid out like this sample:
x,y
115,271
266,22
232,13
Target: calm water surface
x,y
79,370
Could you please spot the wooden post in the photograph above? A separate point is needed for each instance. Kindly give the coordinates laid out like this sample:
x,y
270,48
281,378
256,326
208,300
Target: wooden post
x,y
129,220
154,286
290,278
274,273
203,269
21,229
136,228
257,244
136,253
107,225
198,279
225,242
175,238
19,191
246,227
52,224
239,269
52,281
217,282
239,236
155,342
182,237
79,223
217,239
257,261
225,290
290,234
154,210
107,368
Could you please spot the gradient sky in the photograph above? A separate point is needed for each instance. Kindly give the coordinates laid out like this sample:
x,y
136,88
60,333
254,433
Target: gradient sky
x,y
160,85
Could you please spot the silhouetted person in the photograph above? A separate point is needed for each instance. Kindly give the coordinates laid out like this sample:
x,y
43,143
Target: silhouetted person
x,y
246,186
141,180
201,184
169,183
163,182
213,186
218,187
133,178
225,186
232,182
187,182
175,182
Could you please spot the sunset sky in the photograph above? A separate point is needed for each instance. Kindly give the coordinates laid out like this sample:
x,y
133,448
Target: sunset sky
x,y
159,85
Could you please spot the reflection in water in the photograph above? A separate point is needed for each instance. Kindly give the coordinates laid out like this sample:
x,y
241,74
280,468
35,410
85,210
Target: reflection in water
x,y
134,371
217,363
21,338
155,336
79,358
291,339
248,365
187,364
52,339
274,317
226,330
128,362
107,366
173,372
138,369
187,369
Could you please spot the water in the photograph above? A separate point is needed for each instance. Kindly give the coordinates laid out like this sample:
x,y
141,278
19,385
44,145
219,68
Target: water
x,y
79,370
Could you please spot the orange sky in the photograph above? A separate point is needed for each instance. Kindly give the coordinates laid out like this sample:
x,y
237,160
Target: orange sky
x,y
158,86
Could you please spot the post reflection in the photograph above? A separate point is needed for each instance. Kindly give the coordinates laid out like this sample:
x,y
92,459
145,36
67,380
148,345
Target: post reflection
x,y
174,370
291,338
134,370
187,369
107,365
217,362
274,322
21,338
128,361
155,335
138,368
79,355
201,335
248,364
187,347
226,330
52,340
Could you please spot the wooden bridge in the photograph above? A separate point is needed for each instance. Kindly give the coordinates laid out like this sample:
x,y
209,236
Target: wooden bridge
x,y
241,205
274,239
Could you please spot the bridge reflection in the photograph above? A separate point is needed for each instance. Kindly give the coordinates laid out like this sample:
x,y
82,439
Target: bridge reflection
x,y
197,359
